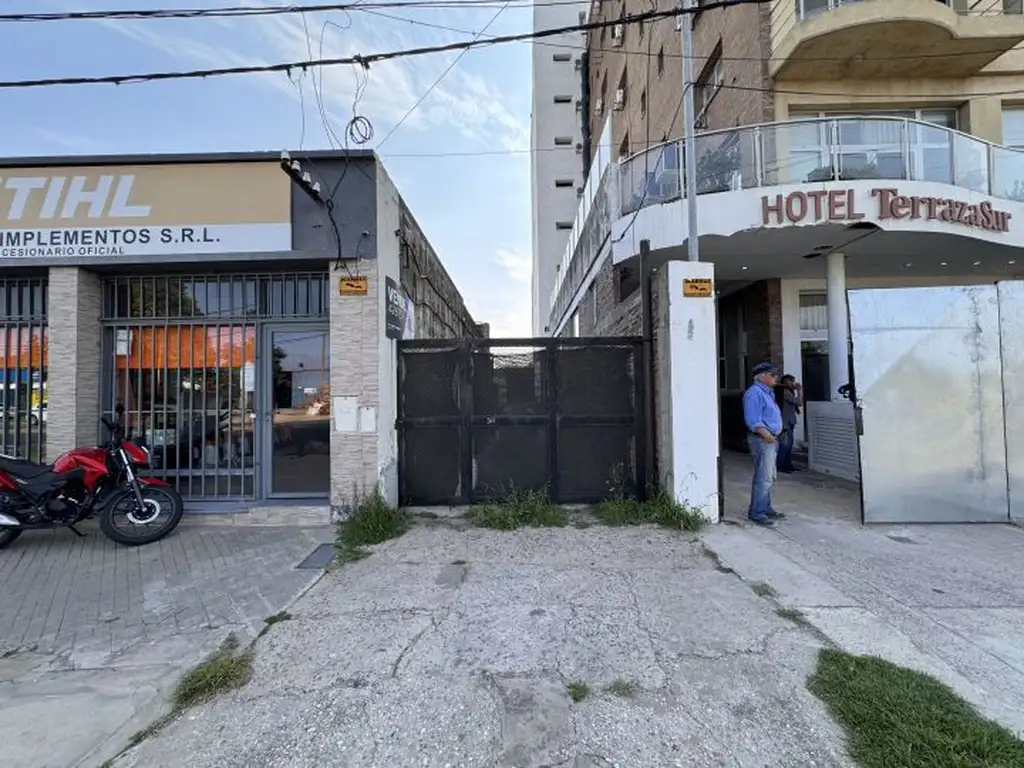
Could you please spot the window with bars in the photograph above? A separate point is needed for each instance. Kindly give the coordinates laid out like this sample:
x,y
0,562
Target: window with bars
x,y
23,367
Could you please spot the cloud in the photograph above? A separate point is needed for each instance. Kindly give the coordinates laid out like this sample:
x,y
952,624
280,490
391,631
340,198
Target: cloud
x,y
465,102
519,266
67,140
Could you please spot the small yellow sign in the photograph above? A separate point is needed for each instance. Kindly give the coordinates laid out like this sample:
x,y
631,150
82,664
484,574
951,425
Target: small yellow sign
x,y
353,286
697,287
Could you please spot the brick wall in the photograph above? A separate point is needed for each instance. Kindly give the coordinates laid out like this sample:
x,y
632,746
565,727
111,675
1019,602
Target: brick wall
x,y
73,342
440,310
742,31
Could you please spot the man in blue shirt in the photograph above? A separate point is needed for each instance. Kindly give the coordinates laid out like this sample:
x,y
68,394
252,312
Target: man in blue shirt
x,y
764,425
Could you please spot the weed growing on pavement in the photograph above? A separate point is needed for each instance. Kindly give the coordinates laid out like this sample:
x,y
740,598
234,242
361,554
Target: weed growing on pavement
x,y
578,691
660,509
225,670
370,521
270,621
624,688
763,589
794,615
899,718
519,509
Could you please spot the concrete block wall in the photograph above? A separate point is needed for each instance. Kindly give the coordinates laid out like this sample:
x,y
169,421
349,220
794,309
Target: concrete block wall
x,y
73,368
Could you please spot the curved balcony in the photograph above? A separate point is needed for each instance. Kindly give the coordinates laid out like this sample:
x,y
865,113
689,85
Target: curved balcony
x,y
821,150
874,39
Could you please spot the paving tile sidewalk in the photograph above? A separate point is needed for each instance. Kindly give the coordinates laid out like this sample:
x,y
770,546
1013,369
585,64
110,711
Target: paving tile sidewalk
x,y
94,635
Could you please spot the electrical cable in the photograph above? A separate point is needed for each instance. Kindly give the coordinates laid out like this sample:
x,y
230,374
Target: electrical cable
x,y
365,60
441,77
278,10
369,10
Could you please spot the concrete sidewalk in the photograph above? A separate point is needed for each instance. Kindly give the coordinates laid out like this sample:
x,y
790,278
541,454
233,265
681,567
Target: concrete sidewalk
x,y
93,636
944,599
454,647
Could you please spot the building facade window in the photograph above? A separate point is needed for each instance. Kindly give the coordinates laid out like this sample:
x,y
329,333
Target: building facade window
x,y
563,99
561,57
563,141
708,84
564,182
1013,127
563,225
643,103
661,61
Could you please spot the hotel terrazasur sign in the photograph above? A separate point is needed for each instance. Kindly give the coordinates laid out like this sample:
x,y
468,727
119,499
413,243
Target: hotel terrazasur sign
x,y
113,211
845,205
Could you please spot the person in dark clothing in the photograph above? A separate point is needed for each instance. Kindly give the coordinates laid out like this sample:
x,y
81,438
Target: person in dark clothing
x,y
791,403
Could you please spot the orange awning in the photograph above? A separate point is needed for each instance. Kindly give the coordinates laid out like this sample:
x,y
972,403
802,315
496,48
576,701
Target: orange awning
x,y
189,347
23,348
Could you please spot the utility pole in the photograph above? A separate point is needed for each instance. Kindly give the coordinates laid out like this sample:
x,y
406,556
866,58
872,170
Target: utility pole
x,y
689,130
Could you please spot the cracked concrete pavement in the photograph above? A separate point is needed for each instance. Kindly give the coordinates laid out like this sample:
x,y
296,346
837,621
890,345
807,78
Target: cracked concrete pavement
x,y
453,647
94,636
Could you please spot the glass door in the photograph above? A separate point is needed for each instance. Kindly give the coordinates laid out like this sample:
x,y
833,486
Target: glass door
x,y
296,372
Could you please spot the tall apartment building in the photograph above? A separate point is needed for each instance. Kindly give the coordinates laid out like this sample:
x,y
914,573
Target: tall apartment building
x,y
840,144
557,144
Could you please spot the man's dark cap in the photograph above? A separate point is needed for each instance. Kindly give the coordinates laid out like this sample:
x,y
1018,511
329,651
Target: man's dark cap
x,y
763,368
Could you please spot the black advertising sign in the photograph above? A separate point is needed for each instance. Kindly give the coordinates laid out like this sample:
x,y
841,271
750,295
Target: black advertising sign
x,y
397,310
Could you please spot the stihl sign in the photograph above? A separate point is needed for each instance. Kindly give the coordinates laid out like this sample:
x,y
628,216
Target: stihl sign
x,y
842,205
63,197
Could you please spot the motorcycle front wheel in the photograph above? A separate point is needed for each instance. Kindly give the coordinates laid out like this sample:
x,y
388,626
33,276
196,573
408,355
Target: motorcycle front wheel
x,y
8,536
122,521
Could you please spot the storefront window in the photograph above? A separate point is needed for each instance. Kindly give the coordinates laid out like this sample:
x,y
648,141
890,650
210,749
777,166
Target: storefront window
x,y
23,368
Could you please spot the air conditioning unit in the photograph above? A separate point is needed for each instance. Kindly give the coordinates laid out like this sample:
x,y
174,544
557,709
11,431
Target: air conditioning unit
x,y
599,106
618,34
582,17
620,98
579,148
578,63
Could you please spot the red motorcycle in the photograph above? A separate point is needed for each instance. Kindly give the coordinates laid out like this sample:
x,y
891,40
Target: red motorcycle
x,y
85,482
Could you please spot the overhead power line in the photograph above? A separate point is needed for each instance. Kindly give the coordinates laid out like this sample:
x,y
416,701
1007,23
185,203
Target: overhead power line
x,y
441,77
622,50
262,10
365,60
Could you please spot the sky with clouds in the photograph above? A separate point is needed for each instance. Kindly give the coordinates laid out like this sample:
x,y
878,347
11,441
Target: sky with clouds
x,y
475,208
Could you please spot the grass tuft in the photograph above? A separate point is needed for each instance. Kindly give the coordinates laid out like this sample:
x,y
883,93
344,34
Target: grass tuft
x,y
763,589
370,521
898,718
270,621
624,688
578,691
661,509
519,509
225,670
794,615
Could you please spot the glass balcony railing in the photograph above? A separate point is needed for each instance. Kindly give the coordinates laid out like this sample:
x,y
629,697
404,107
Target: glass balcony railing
x,y
817,150
806,9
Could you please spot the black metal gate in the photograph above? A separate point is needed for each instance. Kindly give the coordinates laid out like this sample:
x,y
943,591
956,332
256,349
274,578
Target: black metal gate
x,y
480,418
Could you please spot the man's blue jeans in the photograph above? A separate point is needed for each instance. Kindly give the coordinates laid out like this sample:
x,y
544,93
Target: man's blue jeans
x,y
764,454
785,459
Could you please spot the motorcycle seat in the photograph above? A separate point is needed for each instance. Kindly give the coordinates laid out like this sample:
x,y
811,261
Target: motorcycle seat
x,y
23,468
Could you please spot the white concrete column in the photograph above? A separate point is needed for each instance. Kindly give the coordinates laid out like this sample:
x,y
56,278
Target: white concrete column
x,y
838,323
686,385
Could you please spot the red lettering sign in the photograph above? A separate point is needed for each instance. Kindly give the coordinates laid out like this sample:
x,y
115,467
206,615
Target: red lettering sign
x,y
839,205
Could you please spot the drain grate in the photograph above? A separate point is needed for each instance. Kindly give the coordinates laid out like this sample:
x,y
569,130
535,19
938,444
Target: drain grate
x,y
319,558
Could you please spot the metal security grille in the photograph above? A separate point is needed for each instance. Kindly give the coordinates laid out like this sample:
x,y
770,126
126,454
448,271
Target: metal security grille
x,y
182,357
24,362
481,418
